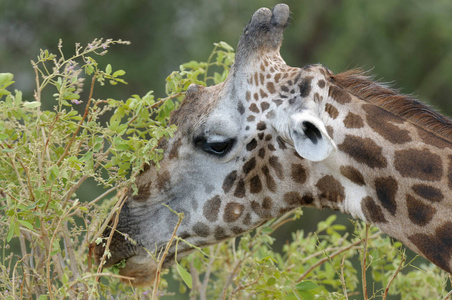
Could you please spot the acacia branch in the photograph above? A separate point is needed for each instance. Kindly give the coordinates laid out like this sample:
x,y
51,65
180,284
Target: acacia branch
x,y
74,136
320,262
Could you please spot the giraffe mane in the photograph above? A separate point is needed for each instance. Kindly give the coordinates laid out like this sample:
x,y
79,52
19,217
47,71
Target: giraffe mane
x,y
361,85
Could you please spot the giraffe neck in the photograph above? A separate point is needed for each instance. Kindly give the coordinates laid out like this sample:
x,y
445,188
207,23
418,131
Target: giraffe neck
x,y
393,172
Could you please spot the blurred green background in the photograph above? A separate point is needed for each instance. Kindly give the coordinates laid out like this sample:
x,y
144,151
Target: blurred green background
x,y
405,42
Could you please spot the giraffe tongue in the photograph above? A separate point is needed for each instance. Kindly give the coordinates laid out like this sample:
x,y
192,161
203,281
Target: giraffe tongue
x,y
264,33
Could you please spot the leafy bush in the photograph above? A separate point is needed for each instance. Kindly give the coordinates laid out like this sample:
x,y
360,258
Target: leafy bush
x,y
47,155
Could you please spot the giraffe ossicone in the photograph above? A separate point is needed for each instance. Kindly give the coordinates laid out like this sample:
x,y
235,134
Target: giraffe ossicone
x,y
272,138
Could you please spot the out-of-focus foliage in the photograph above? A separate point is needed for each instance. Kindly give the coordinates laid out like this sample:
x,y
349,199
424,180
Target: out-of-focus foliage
x,y
408,42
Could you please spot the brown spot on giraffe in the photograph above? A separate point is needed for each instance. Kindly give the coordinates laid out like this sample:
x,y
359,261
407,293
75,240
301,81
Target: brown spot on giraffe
x,y
298,173
353,121
331,189
331,110
382,122
264,210
163,179
330,131
339,95
201,229
353,174
174,153
293,198
261,126
240,108
281,143
248,96
321,83
251,145
428,192
276,165
247,219
386,188
305,86
420,213
253,107
262,78
255,185
269,181
240,189
436,247
421,164
372,211
233,211
144,192
211,208
271,87
228,182
256,96
264,106
220,233
237,230
363,150
249,165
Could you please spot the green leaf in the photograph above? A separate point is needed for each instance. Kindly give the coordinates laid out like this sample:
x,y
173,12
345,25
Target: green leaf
x,y
186,277
10,231
89,69
271,281
32,104
225,46
65,278
191,65
307,295
108,69
306,286
3,136
119,73
6,78
26,224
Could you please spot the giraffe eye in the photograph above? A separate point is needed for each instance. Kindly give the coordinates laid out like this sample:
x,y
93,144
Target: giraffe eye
x,y
219,148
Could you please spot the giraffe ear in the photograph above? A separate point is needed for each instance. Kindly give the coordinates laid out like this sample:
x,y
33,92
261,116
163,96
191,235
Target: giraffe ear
x,y
309,136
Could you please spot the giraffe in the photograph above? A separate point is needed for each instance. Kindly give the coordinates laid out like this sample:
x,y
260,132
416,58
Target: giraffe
x,y
272,138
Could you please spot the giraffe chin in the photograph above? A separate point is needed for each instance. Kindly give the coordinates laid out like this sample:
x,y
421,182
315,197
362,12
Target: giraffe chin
x,y
141,268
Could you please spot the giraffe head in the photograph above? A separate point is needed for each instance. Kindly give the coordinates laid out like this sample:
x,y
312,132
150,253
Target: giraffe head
x,y
272,138
225,165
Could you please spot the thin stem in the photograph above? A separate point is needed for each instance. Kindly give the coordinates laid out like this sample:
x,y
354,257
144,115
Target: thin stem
x,y
394,276
74,135
165,253
115,211
364,263
23,249
205,282
320,262
344,287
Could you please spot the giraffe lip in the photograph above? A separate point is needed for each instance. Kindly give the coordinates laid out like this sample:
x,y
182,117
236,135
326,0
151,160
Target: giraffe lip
x,y
140,270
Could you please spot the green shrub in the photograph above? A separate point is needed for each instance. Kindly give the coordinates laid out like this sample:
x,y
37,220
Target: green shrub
x,y
47,155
